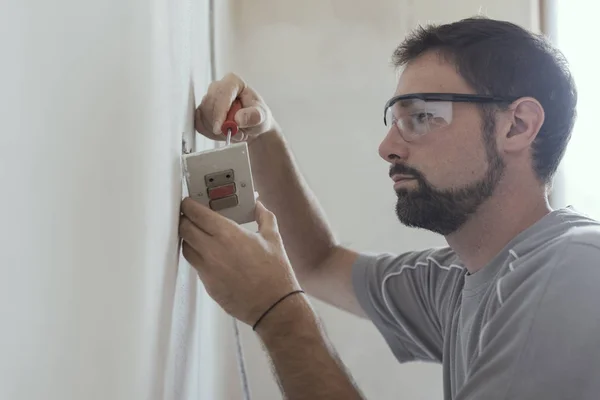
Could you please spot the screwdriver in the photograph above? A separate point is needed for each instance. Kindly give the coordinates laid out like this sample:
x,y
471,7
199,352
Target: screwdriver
x,y
230,127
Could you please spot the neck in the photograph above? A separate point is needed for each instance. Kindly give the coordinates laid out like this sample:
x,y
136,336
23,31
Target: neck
x,y
497,222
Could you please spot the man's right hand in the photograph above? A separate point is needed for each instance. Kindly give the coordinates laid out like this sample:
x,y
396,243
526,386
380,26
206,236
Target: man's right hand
x,y
253,119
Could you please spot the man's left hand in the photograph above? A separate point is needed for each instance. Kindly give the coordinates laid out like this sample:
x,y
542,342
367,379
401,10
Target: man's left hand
x,y
244,272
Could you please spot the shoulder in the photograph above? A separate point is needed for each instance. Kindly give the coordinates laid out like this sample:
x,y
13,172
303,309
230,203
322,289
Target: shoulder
x,y
573,238
547,241
434,268
567,252
579,229
577,253
442,258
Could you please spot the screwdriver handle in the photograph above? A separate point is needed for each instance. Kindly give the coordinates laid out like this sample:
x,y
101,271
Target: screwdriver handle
x,y
230,124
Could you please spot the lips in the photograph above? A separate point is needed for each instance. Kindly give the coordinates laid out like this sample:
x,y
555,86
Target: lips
x,y
400,178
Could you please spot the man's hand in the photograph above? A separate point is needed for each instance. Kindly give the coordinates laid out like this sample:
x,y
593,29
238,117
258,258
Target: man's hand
x,y
253,119
244,272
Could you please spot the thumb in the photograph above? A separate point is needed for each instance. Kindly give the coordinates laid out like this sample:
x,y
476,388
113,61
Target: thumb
x,y
266,220
249,117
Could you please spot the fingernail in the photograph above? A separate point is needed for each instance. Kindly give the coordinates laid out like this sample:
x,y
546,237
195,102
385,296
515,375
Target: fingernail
x,y
217,128
246,119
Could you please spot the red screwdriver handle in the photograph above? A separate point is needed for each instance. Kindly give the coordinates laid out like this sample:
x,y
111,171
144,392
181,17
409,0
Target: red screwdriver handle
x,y
230,123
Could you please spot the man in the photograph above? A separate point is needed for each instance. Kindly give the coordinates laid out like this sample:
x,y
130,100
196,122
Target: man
x,y
479,122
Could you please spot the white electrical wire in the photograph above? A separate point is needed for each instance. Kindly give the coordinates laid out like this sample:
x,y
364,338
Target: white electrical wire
x,y
213,77
241,363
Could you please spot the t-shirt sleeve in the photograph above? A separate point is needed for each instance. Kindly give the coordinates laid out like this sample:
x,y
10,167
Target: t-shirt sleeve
x,y
543,342
408,298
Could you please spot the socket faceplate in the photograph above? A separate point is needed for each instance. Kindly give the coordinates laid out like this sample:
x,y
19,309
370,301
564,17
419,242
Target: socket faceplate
x,y
221,179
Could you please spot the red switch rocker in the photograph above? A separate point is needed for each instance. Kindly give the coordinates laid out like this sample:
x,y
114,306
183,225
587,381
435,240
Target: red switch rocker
x,y
221,191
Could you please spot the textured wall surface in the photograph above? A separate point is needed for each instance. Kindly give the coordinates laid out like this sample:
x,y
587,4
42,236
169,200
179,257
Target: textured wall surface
x,y
95,97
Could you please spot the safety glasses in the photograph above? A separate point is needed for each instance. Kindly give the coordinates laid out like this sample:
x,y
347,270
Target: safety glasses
x,y
417,114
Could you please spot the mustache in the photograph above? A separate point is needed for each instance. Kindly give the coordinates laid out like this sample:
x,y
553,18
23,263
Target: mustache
x,y
402,169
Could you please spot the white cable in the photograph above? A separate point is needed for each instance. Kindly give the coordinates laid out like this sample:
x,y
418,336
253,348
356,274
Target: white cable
x,y
213,77
241,363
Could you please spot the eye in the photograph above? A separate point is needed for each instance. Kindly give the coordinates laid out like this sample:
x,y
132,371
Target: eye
x,y
422,117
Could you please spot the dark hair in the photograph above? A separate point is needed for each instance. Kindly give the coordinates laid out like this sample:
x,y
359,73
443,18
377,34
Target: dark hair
x,y
500,58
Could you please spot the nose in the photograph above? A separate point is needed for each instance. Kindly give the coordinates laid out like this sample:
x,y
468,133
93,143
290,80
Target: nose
x,y
393,147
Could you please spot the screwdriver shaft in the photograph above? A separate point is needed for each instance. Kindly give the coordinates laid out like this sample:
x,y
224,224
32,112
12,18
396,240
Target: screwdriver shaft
x,y
230,127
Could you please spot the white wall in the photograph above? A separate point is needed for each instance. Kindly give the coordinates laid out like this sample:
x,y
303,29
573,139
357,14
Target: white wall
x,y
323,66
94,99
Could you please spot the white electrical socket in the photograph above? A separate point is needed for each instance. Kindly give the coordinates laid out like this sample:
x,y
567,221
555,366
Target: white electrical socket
x,y
221,179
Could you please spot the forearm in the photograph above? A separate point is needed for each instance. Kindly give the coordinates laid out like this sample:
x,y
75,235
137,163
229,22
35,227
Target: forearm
x,y
305,364
306,234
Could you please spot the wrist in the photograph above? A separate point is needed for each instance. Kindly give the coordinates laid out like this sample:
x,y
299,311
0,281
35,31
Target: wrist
x,y
275,131
287,316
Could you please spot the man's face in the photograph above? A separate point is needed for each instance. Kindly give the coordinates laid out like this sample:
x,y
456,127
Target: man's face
x,y
450,171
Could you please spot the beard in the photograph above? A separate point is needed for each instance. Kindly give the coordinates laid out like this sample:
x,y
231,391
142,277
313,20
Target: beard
x,y
445,211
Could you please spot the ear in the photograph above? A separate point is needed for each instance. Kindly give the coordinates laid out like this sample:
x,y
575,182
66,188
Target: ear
x,y
527,119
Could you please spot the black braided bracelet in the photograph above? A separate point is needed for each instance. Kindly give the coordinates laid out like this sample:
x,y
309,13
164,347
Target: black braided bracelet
x,y
273,306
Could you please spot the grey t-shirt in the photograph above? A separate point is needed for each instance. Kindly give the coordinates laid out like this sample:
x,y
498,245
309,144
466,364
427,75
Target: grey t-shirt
x,y
526,326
